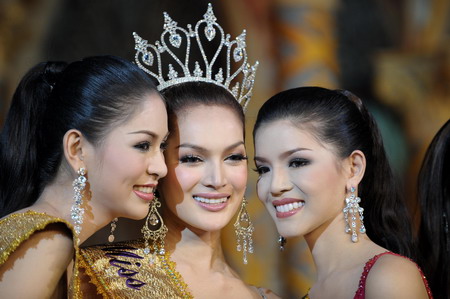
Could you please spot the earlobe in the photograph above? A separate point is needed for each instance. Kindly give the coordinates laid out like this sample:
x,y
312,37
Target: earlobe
x,y
73,149
357,168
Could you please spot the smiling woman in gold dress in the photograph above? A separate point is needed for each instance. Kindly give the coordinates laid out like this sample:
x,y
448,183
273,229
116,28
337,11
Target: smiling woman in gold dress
x,y
81,146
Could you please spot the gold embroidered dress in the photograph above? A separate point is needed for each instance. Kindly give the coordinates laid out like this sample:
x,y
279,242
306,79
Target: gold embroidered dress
x,y
123,270
17,228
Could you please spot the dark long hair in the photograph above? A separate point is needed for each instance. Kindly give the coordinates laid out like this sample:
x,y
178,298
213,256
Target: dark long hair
x,y
340,119
193,94
92,95
434,201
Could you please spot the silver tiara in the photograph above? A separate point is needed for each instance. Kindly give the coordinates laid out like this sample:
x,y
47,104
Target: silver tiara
x,y
203,70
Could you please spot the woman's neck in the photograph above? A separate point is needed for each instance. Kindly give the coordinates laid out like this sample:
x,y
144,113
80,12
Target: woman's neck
x,y
333,251
198,249
57,199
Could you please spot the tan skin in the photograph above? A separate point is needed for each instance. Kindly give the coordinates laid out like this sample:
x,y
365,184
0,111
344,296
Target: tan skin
x,y
193,238
294,164
49,252
214,167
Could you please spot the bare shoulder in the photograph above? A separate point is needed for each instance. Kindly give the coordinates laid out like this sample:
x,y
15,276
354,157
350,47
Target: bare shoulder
x,y
394,276
38,264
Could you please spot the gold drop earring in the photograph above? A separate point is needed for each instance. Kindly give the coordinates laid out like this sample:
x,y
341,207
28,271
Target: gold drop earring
x,y
244,229
154,229
113,228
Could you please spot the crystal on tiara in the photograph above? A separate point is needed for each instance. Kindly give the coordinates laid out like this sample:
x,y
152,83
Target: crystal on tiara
x,y
149,57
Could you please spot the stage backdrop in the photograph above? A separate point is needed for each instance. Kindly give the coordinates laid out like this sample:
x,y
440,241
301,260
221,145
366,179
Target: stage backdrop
x,y
395,55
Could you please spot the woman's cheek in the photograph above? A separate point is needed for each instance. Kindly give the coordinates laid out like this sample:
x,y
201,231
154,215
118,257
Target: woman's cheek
x,y
187,177
239,178
261,189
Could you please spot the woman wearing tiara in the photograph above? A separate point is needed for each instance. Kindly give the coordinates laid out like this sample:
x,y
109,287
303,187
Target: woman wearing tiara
x,y
181,255
61,179
322,166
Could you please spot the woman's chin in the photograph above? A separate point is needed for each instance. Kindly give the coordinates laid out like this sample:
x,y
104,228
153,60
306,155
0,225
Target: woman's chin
x,y
289,232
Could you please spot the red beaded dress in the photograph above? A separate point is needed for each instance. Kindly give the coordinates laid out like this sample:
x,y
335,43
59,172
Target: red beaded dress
x,y
360,293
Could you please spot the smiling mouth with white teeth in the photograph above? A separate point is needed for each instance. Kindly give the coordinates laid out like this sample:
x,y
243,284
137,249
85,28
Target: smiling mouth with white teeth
x,y
289,207
143,189
210,201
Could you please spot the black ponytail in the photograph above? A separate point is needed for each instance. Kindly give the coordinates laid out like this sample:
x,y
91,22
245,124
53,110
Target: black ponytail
x,y
20,136
386,216
91,95
340,119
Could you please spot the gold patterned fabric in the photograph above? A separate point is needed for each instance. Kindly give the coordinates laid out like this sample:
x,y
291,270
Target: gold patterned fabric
x,y
17,228
123,270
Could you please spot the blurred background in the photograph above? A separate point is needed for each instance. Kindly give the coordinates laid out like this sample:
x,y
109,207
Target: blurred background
x,y
394,54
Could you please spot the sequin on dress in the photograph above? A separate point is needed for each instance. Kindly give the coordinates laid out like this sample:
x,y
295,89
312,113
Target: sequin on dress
x,y
123,270
19,227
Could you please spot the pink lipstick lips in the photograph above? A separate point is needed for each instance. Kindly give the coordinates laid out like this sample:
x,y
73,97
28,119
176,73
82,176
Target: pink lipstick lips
x,y
145,192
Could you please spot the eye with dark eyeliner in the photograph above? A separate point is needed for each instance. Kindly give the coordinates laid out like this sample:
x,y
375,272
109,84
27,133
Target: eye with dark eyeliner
x,y
143,146
190,159
261,169
298,162
236,157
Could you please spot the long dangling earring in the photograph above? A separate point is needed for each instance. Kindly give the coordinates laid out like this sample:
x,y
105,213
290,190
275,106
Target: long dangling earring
x,y
281,241
244,230
76,211
352,207
113,228
154,229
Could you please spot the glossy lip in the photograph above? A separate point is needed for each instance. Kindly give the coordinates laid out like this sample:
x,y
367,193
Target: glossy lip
x,y
215,207
145,196
285,201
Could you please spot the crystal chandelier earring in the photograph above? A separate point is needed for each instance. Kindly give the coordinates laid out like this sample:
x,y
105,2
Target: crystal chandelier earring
x,y
281,241
154,230
243,228
113,228
76,211
351,210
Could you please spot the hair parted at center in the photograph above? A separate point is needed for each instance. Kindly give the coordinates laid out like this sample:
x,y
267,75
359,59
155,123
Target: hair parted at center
x,y
184,96
339,119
